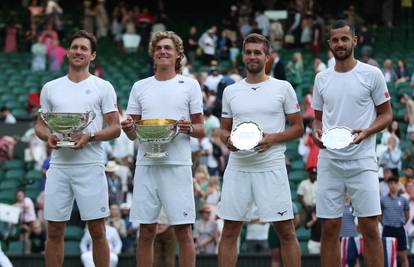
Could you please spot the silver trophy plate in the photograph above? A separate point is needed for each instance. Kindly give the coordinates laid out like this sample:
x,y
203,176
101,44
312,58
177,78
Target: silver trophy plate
x,y
246,135
67,124
156,132
337,137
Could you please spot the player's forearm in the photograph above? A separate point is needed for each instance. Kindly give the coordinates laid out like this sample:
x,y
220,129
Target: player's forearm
x,y
380,123
224,135
293,132
198,130
317,124
110,132
42,131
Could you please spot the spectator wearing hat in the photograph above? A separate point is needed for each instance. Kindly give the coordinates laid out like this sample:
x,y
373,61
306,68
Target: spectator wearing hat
x,y
116,194
395,213
205,232
306,193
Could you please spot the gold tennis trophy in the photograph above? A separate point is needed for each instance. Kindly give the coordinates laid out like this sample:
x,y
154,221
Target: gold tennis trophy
x,y
156,132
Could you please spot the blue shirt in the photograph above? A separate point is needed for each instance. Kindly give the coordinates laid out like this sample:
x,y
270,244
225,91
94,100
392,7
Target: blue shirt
x,y
393,209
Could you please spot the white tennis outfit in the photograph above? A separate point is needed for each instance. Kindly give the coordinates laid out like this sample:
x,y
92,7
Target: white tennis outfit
x,y
252,177
349,99
165,182
78,174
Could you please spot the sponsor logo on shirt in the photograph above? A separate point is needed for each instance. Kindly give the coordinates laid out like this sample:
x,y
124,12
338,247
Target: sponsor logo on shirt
x,y
88,91
185,213
103,209
255,88
387,95
281,213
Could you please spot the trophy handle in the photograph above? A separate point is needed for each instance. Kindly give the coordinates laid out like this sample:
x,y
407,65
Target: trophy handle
x,y
91,117
43,116
177,130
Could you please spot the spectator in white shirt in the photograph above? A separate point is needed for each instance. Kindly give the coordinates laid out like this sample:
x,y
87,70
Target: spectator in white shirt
x,y
115,245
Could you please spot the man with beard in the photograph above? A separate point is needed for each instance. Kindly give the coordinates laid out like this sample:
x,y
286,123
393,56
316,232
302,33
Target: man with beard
x,y
351,94
259,176
78,172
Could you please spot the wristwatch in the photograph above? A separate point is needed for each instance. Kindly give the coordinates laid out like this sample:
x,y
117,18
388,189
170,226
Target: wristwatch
x,y
190,130
91,136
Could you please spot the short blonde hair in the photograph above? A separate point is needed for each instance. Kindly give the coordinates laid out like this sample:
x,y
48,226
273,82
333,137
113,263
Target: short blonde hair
x,y
178,43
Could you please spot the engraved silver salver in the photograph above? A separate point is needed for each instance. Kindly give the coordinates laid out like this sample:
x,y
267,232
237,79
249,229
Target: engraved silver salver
x,y
246,135
337,137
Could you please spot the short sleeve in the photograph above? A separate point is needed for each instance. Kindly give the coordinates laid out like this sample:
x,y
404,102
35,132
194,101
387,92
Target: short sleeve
x,y
379,91
109,99
317,101
44,100
291,104
196,100
226,109
301,189
134,107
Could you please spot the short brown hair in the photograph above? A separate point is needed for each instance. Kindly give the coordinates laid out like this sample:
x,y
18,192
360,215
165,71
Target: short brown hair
x,y
258,39
87,35
178,43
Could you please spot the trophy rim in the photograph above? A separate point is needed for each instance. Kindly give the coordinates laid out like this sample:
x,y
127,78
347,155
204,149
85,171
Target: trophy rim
x,y
155,122
65,113
233,133
346,136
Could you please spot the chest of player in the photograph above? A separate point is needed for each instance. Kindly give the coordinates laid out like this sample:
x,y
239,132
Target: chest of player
x,y
75,99
167,99
259,100
351,93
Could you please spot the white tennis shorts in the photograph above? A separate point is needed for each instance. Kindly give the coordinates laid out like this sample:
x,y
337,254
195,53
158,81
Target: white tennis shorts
x,y
168,186
269,190
359,178
87,184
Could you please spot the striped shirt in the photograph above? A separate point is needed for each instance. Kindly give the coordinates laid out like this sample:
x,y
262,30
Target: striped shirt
x,y
393,209
348,227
